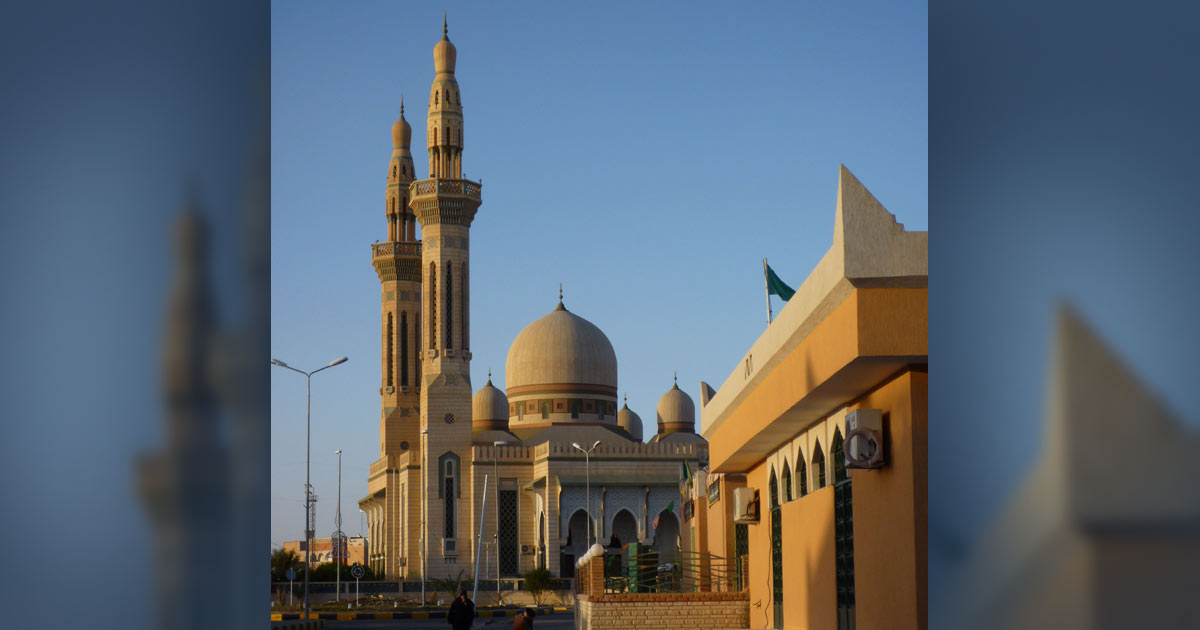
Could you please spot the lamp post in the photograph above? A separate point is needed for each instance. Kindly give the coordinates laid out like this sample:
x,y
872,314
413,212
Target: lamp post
x,y
424,507
496,473
587,462
308,525
338,530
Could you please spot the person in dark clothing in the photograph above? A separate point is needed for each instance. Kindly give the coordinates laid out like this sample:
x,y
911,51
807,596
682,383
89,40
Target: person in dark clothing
x,y
524,621
462,612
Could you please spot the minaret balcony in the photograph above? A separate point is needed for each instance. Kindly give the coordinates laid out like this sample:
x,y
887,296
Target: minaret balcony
x,y
394,249
445,188
397,261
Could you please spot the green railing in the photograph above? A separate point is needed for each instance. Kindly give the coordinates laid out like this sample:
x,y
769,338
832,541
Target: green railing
x,y
639,570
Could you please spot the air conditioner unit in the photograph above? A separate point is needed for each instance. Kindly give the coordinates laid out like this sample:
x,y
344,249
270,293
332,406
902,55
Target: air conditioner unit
x,y
745,505
449,547
863,447
527,549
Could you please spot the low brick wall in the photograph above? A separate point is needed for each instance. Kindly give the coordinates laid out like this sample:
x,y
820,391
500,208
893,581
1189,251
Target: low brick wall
x,y
597,610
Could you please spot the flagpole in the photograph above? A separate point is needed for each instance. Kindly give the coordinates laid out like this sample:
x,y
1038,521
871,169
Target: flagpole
x,y
767,287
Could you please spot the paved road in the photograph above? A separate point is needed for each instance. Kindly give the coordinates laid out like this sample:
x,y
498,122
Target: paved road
x,y
557,621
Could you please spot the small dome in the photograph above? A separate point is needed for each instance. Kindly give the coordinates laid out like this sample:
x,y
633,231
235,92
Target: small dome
x,y
559,349
401,131
444,53
630,421
489,408
676,412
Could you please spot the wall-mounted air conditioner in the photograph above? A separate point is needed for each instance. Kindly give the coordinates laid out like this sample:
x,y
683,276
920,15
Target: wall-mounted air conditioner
x,y
863,447
526,549
745,505
449,547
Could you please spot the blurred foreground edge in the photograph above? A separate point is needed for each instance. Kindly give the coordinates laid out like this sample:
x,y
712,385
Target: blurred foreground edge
x,y
1105,531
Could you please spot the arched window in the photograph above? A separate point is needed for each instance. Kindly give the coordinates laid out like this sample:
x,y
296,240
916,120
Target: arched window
x,y
447,134
393,170
390,338
435,98
435,135
449,306
818,464
404,170
802,475
448,97
417,365
403,348
448,491
839,458
776,552
464,290
432,305
787,483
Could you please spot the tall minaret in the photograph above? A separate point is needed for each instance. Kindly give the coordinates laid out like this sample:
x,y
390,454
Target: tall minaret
x,y
397,260
445,205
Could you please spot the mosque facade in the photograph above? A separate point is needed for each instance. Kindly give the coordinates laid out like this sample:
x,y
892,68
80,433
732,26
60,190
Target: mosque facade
x,y
440,441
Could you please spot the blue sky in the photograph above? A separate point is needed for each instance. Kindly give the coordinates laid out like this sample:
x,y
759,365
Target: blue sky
x,y
646,156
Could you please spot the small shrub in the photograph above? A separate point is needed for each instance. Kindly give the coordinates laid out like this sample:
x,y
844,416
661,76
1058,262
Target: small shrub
x,y
538,583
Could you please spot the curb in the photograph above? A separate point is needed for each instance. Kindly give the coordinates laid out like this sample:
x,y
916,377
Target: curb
x,y
409,614
302,625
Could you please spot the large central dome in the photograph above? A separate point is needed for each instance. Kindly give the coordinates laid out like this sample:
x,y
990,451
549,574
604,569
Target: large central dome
x,y
559,349
561,369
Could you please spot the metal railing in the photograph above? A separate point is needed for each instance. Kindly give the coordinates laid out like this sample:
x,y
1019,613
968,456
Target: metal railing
x,y
463,187
638,570
396,249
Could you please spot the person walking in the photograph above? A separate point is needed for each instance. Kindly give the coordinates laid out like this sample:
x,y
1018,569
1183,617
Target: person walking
x,y
524,621
462,612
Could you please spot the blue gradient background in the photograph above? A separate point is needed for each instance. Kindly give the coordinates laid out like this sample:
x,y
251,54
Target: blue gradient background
x,y
1062,162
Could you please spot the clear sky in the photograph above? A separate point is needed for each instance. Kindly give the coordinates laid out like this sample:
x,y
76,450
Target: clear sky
x,y
647,156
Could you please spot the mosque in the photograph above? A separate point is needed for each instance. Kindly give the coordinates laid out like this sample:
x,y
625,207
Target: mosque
x,y
438,440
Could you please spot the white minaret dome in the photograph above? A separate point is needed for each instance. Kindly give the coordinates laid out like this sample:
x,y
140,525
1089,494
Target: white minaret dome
x,y
401,131
676,412
629,420
489,408
444,53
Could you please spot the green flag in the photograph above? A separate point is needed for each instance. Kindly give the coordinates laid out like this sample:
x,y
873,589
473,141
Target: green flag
x,y
687,474
777,287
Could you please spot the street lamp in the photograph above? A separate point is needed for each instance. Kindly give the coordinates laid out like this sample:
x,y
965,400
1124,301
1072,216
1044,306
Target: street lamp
x,y
338,533
424,507
496,473
587,460
308,525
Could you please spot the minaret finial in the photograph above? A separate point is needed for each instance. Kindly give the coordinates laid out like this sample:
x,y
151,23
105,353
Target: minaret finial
x,y
402,105
445,31
559,291
489,376
676,380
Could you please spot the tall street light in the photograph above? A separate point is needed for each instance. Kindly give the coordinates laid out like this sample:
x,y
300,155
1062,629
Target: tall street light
x,y
308,525
338,534
496,473
424,503
587,460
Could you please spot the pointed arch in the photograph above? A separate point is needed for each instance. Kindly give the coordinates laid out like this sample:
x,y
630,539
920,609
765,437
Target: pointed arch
x,y
403,349
802,475
836,449
787,482
390,339
432,305
818,465
449,304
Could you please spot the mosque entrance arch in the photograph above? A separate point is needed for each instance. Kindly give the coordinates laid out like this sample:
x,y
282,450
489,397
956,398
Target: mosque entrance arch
x,y
666,536
577,541
624,529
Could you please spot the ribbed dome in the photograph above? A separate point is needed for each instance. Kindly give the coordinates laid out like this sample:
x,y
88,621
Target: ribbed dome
x,y
444,53
489,408
676,412
630,421
561,348
401,131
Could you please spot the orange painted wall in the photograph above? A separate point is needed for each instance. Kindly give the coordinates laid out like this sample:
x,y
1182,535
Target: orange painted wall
x,y
809,574
890,508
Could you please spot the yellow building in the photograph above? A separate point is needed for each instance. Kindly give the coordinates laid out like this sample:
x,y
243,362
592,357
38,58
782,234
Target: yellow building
x,y
828,546
438,441
354,552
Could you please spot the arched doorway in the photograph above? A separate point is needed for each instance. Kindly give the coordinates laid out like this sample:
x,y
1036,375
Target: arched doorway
x,y
666,537
577,542
624,529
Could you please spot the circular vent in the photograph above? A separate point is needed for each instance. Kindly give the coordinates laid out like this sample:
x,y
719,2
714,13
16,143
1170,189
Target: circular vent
x,y
449,418
404,445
